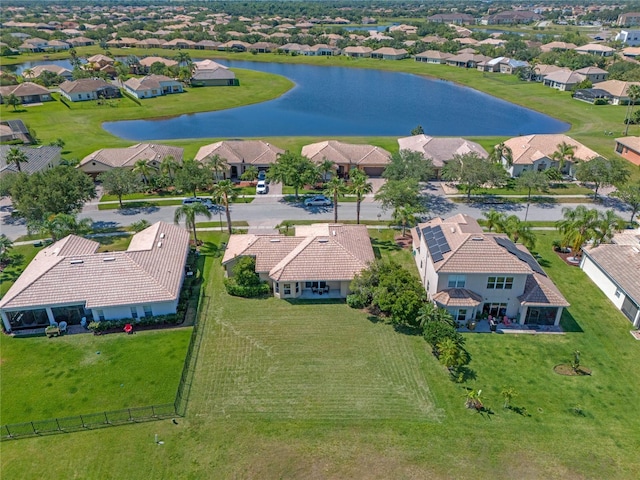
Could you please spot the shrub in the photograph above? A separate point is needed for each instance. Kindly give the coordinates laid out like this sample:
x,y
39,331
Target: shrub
x,y
236,290
601,101
355,300
244,272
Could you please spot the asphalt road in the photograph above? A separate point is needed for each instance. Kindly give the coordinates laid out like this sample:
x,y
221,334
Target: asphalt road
x,y
266,212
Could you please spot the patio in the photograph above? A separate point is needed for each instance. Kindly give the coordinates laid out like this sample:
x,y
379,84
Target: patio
x,y
482,326
308,294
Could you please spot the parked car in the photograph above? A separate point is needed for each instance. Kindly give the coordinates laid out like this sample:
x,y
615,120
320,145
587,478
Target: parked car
x,y
317,201
191,200
262,187
262,175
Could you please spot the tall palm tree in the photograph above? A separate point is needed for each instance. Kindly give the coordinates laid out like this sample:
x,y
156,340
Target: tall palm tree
x,y
168,166
633,92
564,153
494,219
217,165
184,59
360,186
334,188
405,216
63,224
224,192
189,212
16,156
325,167
501,151
142,168
607,225
578,226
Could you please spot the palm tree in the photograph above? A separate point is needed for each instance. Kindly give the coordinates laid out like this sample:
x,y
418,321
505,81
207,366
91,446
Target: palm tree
x,y
334,188
359,187
563,154
494,219
27,73
184,59
13,100
189,212
168,166
217,165
63,224
607,225
405,216
633,92
142,167
250,174
577,227
16,156
5,245
325,167
501,151
224,192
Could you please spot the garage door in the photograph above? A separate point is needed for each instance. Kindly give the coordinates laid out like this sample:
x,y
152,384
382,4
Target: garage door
x,y
374,171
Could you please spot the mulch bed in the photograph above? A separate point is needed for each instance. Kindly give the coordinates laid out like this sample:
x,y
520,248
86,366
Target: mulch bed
x,y
564,257
403,242
140,328
565,369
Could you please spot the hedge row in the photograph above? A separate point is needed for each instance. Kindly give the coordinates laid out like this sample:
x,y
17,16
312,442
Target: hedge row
x,y
248,292
104,325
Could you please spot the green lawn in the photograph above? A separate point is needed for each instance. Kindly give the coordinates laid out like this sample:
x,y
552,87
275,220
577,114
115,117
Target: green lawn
x,y
512,189
20,256
295,390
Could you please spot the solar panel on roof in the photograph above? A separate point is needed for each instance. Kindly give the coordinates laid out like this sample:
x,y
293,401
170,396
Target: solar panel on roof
x,y
437,257
436,242
528,259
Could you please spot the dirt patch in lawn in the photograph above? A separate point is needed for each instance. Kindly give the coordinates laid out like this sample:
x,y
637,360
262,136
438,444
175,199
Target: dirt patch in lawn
x,y
568,370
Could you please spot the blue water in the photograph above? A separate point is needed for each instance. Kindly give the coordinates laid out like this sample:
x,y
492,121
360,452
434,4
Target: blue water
x,y
337,101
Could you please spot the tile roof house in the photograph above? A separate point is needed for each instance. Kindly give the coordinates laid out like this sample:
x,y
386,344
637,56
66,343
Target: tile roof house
x,y
319,259
470,272
85,89
596,49
27,92
14,130
70,280
535,152
432,56
615,269
208,73
38,70
239,154
629,148
594,74
357,51
152,86
618,90
107,158
346,156
388,53
563,80
38,158
440,150
148,61
551,46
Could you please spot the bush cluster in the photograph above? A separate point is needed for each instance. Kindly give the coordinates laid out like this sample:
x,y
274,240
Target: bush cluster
x,y
102,326
253,291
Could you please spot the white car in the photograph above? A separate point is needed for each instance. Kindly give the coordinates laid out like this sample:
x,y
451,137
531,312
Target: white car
x,y
191,200
317,201
261,187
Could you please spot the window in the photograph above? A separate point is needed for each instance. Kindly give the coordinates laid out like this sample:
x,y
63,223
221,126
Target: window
x,y
287,288
100,314
457,281
297,287
148,312
500,283
618,293
134,312
462,315
277,287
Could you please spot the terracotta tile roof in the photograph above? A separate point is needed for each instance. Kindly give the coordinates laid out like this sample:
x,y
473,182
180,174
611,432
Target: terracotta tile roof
x,y
440,150
346,153
38,158
457,297
527,149
69,271
253,152
547,47
632,143
148,61
566,77
317,252
84,85
540,291
621,263
149,82
434,54
127,157
357,49
544,70
617,88
24,89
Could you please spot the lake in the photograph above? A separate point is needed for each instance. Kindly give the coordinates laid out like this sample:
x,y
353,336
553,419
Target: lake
x,y
339,101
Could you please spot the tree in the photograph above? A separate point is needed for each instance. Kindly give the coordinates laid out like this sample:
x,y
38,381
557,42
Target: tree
x,y
508,393
61,189
533,180
244,272
633,92
494,218
224,192
630,194
517,230
409,164
473,171
325,167
500,152
140,225
13,100
334,188
405,216
602,172
119,181
217,165
169,166
452,355
60,225
5,245
294,170
400,193
563,154
607,224
250,174
16,156
581,225
191,176
142,168
189,212
360,186
418,130
158,68
183,58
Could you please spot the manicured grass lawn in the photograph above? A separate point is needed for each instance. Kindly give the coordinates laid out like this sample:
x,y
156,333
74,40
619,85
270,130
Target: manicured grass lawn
x,y
20,256
299,390
554,189
78,374
159,203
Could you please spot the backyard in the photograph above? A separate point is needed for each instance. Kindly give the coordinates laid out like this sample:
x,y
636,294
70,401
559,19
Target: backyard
x,y
296,390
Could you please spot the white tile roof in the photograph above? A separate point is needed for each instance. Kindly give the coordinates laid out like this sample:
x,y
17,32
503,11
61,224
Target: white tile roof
x,y
346,153
252,152
70,271
527,149
127,157
440,150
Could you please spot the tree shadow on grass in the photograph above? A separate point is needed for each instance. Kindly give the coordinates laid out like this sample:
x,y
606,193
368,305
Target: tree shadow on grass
x,y
101,225
312,301
522,411
568,323
212,249
380,246
407,330
135,208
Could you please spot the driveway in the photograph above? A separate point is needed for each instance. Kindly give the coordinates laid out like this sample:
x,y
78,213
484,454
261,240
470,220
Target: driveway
x,y
272,196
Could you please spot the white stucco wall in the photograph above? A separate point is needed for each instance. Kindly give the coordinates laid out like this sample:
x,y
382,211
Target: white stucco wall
x,y
120,312
603,282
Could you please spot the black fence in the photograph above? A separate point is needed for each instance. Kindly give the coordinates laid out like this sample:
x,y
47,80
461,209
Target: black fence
x,y
87,422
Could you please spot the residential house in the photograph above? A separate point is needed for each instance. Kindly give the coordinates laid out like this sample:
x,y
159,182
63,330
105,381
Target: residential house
x,y
536,152
107,158
319,261
38,70
151,43
558,46
510,66
11,130
618,90
80,42
440,150
71,281
323,50
593,74
207,45
629,19
563,80
179,43
629,37
38,158
629,148
596,49
433,56
58,45
357,52
234,46
85,89
27,92
100,61
466,60
592,95
262,47
34,44
511,17
240,154
208,73
631,52
388,53
152,86
540,71
470,272
146,62
455,18
347,156
615,269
